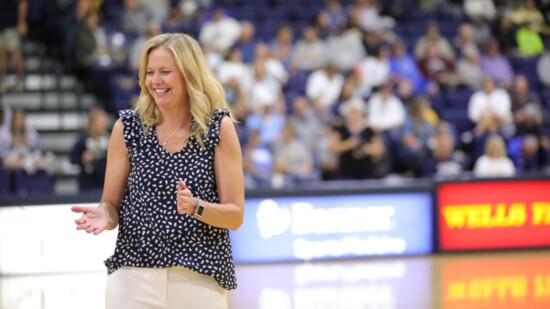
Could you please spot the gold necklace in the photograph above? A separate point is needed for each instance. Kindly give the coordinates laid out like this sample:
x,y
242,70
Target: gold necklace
x,y
172,134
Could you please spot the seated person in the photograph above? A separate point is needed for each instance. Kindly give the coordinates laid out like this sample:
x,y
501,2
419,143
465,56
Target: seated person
x,y
495,161
362,151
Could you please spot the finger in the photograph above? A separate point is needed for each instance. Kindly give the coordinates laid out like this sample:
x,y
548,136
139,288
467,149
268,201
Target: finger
x,y
79,209
181,184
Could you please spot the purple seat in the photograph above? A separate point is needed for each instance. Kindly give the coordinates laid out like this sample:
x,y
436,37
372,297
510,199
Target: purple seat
x,y
39,183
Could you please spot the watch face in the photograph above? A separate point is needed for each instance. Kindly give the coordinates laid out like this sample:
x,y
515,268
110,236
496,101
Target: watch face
x,y
200,210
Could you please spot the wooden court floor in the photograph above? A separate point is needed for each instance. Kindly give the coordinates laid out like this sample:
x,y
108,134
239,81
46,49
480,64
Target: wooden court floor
x,y
490,280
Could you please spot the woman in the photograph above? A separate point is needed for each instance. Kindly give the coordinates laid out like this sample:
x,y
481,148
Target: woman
x,y
174,186
495,161
90,151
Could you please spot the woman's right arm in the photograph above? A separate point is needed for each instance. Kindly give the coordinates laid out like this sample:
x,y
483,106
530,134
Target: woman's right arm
x,y
116,175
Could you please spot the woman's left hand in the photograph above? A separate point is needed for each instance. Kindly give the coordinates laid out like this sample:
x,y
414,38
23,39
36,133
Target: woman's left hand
x,y
185,201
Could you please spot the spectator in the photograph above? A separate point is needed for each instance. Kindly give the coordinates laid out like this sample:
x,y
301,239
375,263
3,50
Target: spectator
x,y
91,45
218,34
415,134
157,10
90,151
305,123
374,70
529,41
369,16
233,67
174,22
321,25
25,148
522,95
386,112
543,68
268,121
13,26
495,161
490,108
484,9
466,38
310,50
505,34
482,30
403,67
528,12
336,14
274,67
294,164
282,47
257,162
246,41
439,69
134,54
496,66
323,87
432,37
134,18
361,150
443,161
264,89
529,153
344,48
468,69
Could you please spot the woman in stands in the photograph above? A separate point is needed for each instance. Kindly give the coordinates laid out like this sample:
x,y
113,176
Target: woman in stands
x,y
174,186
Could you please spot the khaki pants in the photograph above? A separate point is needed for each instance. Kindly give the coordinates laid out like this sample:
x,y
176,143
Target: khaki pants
x,y
166,288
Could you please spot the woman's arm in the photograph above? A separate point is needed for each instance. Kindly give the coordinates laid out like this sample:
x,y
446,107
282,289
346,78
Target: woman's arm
x,y
116,174
105,215
228,167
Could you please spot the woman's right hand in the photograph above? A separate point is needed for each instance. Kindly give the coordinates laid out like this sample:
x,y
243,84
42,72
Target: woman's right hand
x,y
93,220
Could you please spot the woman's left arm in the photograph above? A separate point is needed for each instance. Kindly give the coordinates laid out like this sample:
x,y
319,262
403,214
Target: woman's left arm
x,y
228,166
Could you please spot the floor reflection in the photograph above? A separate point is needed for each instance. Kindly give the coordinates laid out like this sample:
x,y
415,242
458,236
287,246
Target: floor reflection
x,y
511,280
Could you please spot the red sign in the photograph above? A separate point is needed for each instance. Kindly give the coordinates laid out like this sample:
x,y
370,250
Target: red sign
x,y
494,214
504,282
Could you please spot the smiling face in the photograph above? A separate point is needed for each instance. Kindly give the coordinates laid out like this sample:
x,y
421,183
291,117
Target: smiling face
x,y
163,78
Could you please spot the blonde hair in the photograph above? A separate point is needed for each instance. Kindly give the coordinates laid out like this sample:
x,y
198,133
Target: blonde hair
x,y
204,91
498,142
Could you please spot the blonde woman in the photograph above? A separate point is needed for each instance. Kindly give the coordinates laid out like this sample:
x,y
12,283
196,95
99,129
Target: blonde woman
x,y
174,186
495,161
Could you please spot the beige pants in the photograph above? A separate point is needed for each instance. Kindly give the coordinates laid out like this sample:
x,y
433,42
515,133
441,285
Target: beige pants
x,y
166,288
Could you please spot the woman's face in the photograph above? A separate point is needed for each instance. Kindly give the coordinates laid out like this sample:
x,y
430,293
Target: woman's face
x,y
163,78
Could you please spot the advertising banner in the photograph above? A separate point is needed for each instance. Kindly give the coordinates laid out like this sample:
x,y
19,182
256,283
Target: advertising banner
x,y
494,214
338,226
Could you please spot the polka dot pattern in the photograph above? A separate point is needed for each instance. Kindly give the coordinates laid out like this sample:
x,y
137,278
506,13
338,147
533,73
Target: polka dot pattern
x,y
151,233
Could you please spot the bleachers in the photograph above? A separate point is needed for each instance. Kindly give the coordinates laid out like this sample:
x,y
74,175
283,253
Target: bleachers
x,y
55,105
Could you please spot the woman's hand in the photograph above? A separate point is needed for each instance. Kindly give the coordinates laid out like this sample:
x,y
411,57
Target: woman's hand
x,y
94,220
185,200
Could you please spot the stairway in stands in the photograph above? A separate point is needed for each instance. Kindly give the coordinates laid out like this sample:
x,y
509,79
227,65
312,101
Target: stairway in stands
x,y
55,107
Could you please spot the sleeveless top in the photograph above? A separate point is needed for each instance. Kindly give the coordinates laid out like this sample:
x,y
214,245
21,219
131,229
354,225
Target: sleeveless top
x,y
151,233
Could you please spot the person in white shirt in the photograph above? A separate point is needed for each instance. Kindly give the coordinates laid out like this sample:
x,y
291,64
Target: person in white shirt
x,y
490,108
323,87
219,33
495,161
233,68
385,110
374,70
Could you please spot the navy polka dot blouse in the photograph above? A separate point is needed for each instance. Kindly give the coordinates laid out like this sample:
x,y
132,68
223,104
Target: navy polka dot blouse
x,y
151,233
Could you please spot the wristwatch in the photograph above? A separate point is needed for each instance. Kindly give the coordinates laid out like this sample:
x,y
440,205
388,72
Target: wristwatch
x,y
199,209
